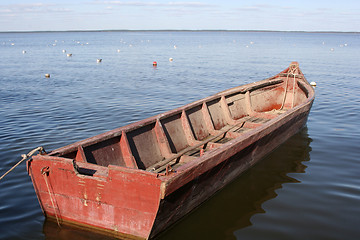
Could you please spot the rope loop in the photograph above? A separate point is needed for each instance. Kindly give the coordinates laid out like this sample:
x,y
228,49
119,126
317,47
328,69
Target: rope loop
x,y
24,157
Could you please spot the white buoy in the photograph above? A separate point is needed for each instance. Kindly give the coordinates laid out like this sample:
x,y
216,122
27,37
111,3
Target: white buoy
x,y
118,50
24,52
47,75
99,60
313,84
69,54
64,51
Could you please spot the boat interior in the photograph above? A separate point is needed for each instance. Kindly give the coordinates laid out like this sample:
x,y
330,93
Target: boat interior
x,y
169,140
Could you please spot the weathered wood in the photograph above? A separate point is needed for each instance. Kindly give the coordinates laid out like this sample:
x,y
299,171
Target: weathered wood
x,y
154,167
112,181
126,152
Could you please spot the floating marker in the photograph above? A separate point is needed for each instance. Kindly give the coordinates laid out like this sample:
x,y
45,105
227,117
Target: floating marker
x,y
64,51
24,52
154,63
313,84
99,60
118,50
171,59
47,75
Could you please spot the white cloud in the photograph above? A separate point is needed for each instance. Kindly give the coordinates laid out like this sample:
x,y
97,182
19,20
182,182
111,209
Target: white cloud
x,y
31,8
256,7
163,9
155,4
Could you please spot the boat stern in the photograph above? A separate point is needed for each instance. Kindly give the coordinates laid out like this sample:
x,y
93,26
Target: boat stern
x,y
120,201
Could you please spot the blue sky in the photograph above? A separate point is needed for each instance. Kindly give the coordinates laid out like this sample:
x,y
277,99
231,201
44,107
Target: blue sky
x,y
287,15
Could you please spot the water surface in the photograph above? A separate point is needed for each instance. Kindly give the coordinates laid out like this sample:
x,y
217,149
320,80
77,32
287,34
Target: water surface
x,y
307,189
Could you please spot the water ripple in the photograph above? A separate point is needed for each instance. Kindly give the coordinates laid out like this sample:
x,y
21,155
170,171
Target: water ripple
x,y
306,189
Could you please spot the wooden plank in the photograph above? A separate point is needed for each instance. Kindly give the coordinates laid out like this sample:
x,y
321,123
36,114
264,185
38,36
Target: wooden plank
x,y
226,110
126,152
162,140
207,118
80,155
187,129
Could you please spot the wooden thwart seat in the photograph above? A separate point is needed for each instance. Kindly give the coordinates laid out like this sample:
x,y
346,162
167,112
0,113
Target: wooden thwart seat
x,y
227,133
160,164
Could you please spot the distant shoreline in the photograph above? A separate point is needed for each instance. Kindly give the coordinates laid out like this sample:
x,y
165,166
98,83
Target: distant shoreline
x,y
172,30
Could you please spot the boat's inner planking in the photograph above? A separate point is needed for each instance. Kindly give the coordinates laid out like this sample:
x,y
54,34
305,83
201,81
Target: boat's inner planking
x,y
187,132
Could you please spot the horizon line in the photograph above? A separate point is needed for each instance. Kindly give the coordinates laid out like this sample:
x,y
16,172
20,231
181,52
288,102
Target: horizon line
x,y
175,30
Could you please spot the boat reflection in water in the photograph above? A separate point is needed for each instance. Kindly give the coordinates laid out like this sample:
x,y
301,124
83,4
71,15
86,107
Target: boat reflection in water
x,y
230,209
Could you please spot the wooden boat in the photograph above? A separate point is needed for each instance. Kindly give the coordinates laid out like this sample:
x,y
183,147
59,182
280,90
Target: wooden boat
x,y
135,181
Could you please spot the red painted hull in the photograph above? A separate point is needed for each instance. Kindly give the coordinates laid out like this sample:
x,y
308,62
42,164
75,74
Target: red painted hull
x,y
121,182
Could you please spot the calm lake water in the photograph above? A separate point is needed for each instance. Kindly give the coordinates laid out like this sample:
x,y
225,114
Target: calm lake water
x,y
309,188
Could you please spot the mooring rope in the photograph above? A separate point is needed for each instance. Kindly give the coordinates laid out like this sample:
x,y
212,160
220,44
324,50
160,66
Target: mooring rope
x,y
24,157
